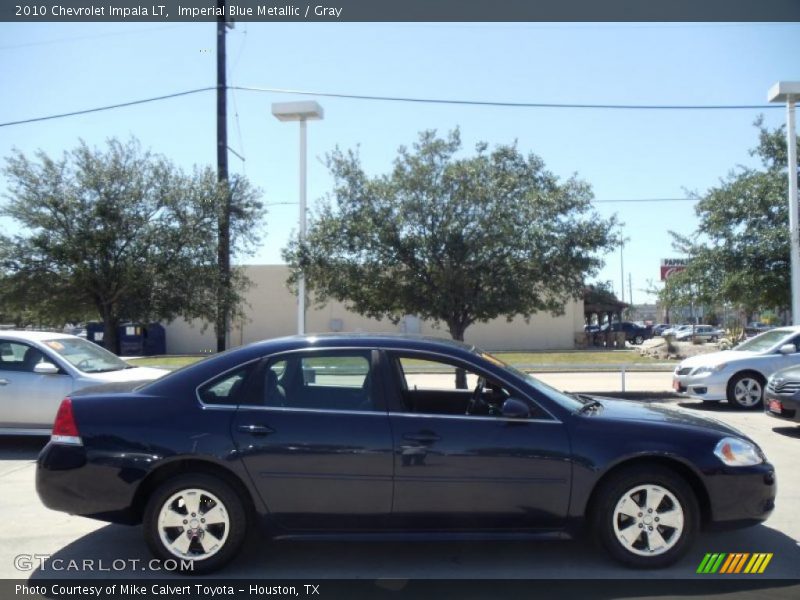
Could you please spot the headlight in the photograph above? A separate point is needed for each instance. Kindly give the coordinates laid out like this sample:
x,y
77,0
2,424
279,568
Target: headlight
x,y
735,452
707,370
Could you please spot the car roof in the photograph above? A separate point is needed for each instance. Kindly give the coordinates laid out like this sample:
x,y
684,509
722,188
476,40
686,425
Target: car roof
x,y
389,340
32,336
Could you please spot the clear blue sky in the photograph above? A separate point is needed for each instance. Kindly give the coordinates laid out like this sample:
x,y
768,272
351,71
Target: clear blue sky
x,y
53,68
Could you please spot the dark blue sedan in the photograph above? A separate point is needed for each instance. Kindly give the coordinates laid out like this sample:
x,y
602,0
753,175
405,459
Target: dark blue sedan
x,y
383,436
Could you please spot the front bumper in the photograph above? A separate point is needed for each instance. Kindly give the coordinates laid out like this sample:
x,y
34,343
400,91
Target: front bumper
x,y
782,407
711,387
741,496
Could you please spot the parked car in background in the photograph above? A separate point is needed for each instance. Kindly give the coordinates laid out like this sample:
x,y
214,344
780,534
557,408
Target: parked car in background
x,y
782,398
675,330
739,375
707,333
634,333
660,328
38,369
373,437
755,328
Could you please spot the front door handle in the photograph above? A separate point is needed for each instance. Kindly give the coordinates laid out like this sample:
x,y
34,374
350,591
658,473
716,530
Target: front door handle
x,y
425,437
256,429
4,382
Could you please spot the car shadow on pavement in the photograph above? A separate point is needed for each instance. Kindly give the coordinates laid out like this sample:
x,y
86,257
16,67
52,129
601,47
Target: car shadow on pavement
x,y
118,551
716,407
17,447
791,431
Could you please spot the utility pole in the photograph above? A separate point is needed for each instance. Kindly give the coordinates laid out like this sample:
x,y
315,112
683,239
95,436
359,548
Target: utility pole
x,y
789,92
224,220
630,288
621,269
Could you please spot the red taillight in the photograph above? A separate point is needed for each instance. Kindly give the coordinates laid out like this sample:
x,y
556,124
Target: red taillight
x,y
65,430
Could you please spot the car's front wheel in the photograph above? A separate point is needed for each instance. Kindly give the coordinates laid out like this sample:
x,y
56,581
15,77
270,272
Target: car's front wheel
x,y
195,517
646,517
746,390
638,340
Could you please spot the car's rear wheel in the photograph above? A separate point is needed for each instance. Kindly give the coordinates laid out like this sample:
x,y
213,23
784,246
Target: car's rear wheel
x,y
195,517
746,390
638,340
646,517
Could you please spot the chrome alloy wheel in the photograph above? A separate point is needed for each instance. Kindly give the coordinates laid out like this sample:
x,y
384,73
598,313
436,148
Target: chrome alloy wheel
x,y
747,392
648,520
193,523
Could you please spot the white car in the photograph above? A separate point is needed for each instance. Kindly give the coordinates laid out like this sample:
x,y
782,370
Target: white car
x,y
739,375
677,329
38,369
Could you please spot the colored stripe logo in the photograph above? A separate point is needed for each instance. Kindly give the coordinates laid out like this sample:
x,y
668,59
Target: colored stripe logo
x,y
736,562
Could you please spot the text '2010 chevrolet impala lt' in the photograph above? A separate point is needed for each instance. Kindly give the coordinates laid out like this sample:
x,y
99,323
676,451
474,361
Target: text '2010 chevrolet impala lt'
x,y
374,436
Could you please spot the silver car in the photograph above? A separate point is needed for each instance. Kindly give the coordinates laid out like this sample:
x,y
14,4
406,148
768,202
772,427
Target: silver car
x,y
38,369
739,375
703,332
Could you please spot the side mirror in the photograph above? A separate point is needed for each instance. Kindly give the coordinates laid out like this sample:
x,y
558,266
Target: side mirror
x,y
788,349
45,368
514,408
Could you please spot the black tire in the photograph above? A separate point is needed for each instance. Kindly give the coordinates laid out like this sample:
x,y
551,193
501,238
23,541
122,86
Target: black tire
x,y
638,340
233,532
604,518
750,381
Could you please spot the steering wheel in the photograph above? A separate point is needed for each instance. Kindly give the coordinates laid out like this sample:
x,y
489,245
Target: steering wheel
x,y
477,404
83,364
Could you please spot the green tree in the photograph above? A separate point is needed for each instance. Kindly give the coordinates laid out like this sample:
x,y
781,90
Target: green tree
x,y
452,240
740,251
119,233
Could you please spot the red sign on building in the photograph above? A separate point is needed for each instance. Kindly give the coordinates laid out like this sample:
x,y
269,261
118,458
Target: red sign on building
x,y
670,266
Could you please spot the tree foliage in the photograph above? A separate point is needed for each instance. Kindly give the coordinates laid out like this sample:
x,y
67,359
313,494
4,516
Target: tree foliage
x,y
118,233
600,292
452,239
740,251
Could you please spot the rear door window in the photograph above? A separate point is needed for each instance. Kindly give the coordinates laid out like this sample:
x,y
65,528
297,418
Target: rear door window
x,y
322,381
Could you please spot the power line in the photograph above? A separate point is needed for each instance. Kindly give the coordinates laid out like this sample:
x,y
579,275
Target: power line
x,y
514,104
108,107
406,99
87,37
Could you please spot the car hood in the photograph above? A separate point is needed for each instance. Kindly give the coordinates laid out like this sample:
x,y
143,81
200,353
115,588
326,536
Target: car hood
x,y
134,374
627,410
717,358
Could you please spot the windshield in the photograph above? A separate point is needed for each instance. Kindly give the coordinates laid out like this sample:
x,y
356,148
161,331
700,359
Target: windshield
x,y
85,356
568,401
765,341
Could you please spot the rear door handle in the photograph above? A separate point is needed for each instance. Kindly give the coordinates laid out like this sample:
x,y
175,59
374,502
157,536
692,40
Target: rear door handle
x,y
4,382
256,429
421,437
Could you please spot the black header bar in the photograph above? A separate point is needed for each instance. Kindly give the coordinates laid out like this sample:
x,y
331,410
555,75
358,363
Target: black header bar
x,y
402,10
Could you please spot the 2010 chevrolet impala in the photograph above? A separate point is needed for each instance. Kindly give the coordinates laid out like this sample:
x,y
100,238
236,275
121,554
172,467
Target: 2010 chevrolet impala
x,y
382,436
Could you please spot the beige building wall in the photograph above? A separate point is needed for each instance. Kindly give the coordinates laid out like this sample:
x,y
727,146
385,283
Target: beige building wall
x,y
272,312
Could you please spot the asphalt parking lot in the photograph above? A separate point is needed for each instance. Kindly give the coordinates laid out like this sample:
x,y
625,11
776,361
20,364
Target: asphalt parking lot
x,y
33,532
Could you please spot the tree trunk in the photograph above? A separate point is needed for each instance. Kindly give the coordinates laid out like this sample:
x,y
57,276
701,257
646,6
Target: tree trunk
x,y
457,333
110,328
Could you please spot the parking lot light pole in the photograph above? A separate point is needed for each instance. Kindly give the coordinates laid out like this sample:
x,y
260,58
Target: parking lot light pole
x,y
302,112
787,91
